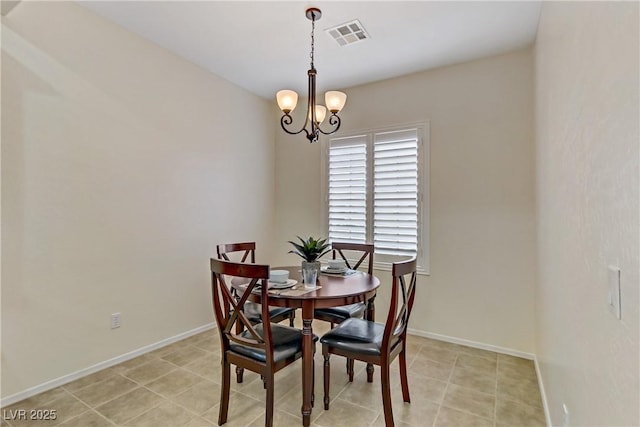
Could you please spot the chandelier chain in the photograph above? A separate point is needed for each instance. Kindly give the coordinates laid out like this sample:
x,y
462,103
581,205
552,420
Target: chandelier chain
x,y
313,30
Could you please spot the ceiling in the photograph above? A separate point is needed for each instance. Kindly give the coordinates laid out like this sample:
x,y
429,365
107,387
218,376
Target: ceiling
x,y
263,46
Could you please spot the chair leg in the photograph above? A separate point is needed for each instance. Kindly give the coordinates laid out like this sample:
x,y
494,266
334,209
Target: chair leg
x,y
327,378
369,373
239,370
292,316
350,365
403,376
386,395
224,395
268,417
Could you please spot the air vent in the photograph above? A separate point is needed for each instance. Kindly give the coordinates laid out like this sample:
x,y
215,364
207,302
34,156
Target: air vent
x,y
348,33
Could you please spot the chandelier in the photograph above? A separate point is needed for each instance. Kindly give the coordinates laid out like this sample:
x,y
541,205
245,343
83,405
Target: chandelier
x,y
287,99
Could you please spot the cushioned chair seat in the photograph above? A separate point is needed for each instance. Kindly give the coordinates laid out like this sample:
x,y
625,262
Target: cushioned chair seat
x,y
341,313
357,336
253,312
287,341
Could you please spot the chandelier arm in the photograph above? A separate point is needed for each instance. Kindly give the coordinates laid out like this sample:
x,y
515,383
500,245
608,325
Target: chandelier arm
x,y
334,120
286,120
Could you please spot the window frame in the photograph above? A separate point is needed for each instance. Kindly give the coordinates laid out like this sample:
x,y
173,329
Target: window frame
x,y
383,262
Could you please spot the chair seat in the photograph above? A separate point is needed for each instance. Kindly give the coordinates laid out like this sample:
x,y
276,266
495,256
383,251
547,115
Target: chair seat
x,y
356,336
253,312
287,341
341,313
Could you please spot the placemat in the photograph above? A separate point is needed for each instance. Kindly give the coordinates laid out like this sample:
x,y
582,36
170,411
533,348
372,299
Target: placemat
x,y
296,291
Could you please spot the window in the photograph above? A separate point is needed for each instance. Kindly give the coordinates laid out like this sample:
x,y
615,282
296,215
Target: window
x,y
376,192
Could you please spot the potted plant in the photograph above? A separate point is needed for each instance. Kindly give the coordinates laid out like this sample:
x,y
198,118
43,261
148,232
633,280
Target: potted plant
x,y
310,251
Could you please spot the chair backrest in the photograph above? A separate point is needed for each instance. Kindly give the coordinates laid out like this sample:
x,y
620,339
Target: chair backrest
x,y
228,309
247,249
362,250
403,291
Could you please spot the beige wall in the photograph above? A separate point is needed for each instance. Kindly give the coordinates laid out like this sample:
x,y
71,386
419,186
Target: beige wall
x,y
481,286
122,167
588,209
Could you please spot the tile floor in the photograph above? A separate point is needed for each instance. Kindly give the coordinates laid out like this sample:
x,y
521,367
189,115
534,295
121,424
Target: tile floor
x,y
179,385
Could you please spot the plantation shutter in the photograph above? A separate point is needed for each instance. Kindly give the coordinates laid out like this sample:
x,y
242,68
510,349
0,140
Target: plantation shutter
x,y
348,189
395,192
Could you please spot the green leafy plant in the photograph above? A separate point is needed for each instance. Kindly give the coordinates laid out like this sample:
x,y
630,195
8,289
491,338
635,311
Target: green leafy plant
x,y
311,249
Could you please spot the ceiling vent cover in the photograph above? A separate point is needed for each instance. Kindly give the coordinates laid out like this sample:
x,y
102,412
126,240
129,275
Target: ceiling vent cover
x,y
348,33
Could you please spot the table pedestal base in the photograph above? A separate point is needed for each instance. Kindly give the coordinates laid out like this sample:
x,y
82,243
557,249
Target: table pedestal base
x,y
307,362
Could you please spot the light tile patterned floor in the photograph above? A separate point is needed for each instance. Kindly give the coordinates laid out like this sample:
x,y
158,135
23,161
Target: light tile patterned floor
x,y
179,385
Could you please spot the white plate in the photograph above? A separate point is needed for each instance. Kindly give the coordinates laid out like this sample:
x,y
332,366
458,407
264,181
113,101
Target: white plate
x,y
327,269
289,284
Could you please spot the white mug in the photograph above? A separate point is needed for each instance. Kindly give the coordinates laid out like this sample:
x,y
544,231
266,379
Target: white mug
x,y
279,276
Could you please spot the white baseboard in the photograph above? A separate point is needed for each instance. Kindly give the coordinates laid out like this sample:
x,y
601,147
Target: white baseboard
x,y
543,394
474,344
57,382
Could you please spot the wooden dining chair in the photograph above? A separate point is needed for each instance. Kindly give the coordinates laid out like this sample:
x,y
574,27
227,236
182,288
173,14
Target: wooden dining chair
x,y
246,252
264,348
376,343
360,253
363,252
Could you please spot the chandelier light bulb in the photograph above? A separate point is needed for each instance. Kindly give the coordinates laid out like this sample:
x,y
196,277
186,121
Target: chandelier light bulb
x,y
287,100
321,113
335,100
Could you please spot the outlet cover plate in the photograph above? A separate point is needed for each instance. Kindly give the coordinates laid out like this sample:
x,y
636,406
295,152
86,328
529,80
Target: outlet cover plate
x,y
614,292
116,320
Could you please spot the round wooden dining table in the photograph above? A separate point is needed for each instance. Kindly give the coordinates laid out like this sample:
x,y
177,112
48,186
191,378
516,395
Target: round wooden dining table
x,y
331,291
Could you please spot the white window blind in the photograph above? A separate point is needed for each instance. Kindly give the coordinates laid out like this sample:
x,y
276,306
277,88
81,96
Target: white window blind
x,y
395,192
348,190
376,192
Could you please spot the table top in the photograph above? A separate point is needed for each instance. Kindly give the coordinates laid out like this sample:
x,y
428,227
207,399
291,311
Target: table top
x,y
332,290
331,285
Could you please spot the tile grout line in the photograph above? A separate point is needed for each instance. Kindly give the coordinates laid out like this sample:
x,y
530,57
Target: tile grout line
x,y
138,384
495,405
146,410
446,389
465,411
91,409
106,401
259,416
171,401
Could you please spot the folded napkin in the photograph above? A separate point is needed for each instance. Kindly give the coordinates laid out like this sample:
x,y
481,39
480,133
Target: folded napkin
x,y
347,272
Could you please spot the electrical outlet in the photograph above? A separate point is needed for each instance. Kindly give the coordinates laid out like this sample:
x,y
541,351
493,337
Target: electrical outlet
x,y
116,320
565,418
